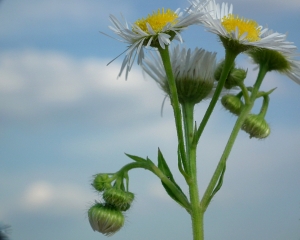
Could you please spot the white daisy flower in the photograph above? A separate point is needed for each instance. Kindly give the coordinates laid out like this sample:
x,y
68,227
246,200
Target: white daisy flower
x,y
156,30
219,19
193,72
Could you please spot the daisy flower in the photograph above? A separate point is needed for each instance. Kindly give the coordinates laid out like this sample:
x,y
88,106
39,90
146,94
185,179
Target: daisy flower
x,y
238,32
193,72
282,62
156,30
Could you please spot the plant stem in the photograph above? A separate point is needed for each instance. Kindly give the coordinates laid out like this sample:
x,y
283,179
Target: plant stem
x,y
246,110
228,62
188,120
196,213
149,165
164,53
196,217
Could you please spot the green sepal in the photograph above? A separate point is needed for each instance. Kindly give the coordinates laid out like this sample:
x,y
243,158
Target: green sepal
x,y
163,166
135,158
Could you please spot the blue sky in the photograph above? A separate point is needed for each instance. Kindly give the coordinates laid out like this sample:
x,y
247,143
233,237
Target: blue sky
x,y
65,116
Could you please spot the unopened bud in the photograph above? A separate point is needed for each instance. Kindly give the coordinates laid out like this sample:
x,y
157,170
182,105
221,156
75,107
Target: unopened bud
x,y
118,198
101,182
235,76
105,219
232,103
256,126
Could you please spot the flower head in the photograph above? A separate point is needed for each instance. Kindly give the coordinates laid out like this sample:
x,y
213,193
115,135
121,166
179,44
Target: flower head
x,y
238,32
105,219
193,72
156,30
281,61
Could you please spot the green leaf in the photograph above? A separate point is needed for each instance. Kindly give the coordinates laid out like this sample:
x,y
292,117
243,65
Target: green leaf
x,y
218,186
135,158
163,166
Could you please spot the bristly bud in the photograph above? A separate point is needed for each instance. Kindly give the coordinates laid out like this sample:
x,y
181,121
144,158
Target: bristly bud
x,y
256,126
105,219
235,76
118,198
101,182
219,70
232,103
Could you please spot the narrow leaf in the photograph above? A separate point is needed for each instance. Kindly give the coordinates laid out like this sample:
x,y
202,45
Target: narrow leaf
x,y
135,158
218,186
163,166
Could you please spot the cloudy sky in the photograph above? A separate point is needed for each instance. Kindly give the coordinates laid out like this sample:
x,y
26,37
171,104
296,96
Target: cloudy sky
x,y
65,116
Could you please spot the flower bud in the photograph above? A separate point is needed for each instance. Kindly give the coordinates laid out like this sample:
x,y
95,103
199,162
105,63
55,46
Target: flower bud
x,y
235,76
219,70
101,182
118,198
232,103
105,219
256,126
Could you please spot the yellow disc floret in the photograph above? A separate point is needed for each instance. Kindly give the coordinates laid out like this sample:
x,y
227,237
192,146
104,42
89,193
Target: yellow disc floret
x,y
158,20
231,22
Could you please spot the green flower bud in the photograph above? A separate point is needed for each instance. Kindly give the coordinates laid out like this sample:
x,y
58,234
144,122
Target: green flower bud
x,y
235,76
105,219
256,126
101,182
118,198
232,103
219,70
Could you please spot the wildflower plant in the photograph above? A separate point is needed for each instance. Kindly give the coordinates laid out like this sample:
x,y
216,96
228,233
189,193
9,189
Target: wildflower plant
x,y
187,77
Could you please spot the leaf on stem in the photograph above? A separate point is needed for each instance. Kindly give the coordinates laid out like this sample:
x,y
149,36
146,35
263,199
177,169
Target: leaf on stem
x,y
163,166
135,158
218,186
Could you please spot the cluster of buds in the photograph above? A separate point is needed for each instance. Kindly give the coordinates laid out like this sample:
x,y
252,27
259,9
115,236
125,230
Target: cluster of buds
x,y
235,77
107,217
254,124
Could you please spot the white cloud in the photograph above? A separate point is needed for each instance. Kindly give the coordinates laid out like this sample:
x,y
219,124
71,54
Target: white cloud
x,y
47,197
18,15
36,83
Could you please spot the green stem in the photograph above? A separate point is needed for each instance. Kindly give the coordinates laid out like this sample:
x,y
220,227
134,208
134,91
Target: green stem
x,y
196,213
188,120
265,105
228,62
164,53
148,165
222,163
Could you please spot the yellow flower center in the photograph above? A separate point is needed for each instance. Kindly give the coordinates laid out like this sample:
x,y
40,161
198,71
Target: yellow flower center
x,y
231,22
158,20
